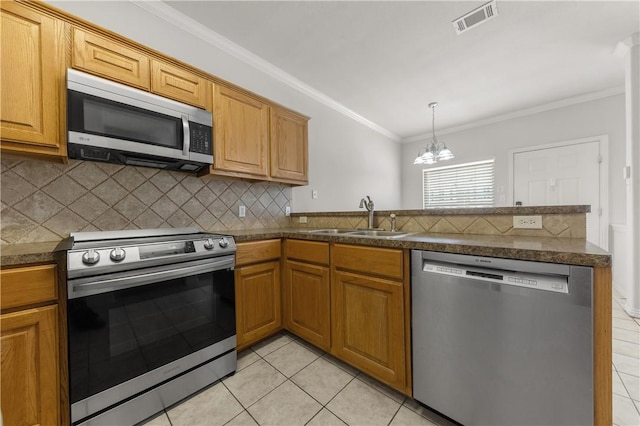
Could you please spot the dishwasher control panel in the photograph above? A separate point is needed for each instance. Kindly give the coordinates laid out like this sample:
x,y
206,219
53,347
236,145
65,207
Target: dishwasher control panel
x,y
554,283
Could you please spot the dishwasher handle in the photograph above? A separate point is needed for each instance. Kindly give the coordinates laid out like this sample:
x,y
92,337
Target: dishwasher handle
x,y
496,263
544,282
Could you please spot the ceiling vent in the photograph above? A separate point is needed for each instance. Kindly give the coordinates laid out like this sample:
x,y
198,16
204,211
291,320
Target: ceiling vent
x,y
476,17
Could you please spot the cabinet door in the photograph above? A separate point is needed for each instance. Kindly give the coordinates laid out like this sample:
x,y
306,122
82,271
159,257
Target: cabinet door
x,y
241,126
179,84
368,329
307,303
258,304
108,59
289,150
30,391
33,81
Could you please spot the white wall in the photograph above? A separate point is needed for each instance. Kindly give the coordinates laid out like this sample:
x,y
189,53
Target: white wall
x,y
618,242
346,159
604,116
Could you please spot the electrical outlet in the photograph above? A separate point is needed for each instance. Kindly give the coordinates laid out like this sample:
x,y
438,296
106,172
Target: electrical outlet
x,y
314,194
287,211
527,222
242,211
302,219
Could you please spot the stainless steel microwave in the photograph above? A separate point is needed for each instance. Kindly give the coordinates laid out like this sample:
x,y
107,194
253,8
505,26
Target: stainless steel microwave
x,y
114,123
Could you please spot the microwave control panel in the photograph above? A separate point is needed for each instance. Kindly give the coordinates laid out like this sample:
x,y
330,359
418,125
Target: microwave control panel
x,y
200,138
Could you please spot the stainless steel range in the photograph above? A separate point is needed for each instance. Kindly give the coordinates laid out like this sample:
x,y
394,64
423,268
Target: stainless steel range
x,y
151,320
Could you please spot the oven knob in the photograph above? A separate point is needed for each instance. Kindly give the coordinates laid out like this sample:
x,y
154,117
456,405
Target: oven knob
x,y
224,243
209,244
117,254
90,257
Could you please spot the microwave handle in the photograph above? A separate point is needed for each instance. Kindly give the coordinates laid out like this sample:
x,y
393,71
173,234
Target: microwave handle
x,y
186,136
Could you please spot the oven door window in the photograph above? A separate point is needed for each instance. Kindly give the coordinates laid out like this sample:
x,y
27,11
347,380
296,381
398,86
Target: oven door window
x,y
98,116
117,336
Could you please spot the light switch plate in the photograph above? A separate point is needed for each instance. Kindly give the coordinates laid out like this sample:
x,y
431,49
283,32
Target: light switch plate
x,y
242,211
287,211
527,222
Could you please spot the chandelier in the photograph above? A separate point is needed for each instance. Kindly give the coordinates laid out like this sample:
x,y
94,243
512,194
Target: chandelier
x,y
436,151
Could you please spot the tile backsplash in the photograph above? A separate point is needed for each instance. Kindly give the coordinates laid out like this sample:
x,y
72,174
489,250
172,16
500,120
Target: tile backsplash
x,y
42,201
555,225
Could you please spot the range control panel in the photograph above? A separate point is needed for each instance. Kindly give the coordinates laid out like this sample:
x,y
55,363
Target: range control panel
x,y
123,255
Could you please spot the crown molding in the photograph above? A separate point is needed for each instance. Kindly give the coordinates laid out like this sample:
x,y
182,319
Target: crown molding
x,y
624,46
172,16
574,100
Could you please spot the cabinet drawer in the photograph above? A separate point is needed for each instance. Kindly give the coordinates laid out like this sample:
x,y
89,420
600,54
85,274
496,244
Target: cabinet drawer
x,y
257,251
108,59
28,285
369,260
307,251
179,84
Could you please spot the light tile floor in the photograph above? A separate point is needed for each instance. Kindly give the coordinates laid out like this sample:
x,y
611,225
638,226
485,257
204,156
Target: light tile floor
x,y
626,365
285,381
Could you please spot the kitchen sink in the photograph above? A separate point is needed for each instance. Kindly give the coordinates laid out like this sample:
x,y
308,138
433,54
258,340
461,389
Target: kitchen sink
x,y
377,233
331,231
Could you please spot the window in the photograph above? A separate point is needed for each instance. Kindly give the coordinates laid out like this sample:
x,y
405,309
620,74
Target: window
x,y
461,185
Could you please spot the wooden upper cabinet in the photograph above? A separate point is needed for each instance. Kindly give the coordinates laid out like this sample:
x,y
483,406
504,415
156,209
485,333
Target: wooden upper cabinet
x,y
110,59
289,150
32,82
179,84
241,127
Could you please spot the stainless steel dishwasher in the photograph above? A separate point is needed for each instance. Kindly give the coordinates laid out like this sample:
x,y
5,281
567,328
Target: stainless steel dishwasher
x,y
502,342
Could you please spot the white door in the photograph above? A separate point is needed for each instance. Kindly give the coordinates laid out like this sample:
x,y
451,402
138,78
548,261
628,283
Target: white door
x,y
561,175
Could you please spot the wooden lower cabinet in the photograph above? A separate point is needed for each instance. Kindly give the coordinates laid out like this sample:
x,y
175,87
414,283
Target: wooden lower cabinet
x,y
370,304
30,367
258,296
30,347
368,327
307,305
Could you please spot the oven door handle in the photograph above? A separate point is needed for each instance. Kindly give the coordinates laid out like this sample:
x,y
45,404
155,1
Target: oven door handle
x,y
96,285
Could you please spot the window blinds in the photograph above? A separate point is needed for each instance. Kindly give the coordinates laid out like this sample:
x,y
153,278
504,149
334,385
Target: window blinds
x,y
462,185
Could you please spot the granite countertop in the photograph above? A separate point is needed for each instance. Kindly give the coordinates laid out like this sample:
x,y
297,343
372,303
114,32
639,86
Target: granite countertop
x,y
542,249
571,251
25,254
507,210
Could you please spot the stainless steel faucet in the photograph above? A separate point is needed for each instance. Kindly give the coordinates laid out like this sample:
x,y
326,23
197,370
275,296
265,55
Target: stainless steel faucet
x,y
394,227
368,204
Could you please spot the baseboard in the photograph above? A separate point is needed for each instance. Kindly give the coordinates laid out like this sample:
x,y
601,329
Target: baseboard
x,y
632,312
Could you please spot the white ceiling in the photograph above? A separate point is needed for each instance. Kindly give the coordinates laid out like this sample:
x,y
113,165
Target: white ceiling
x,y
387,60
